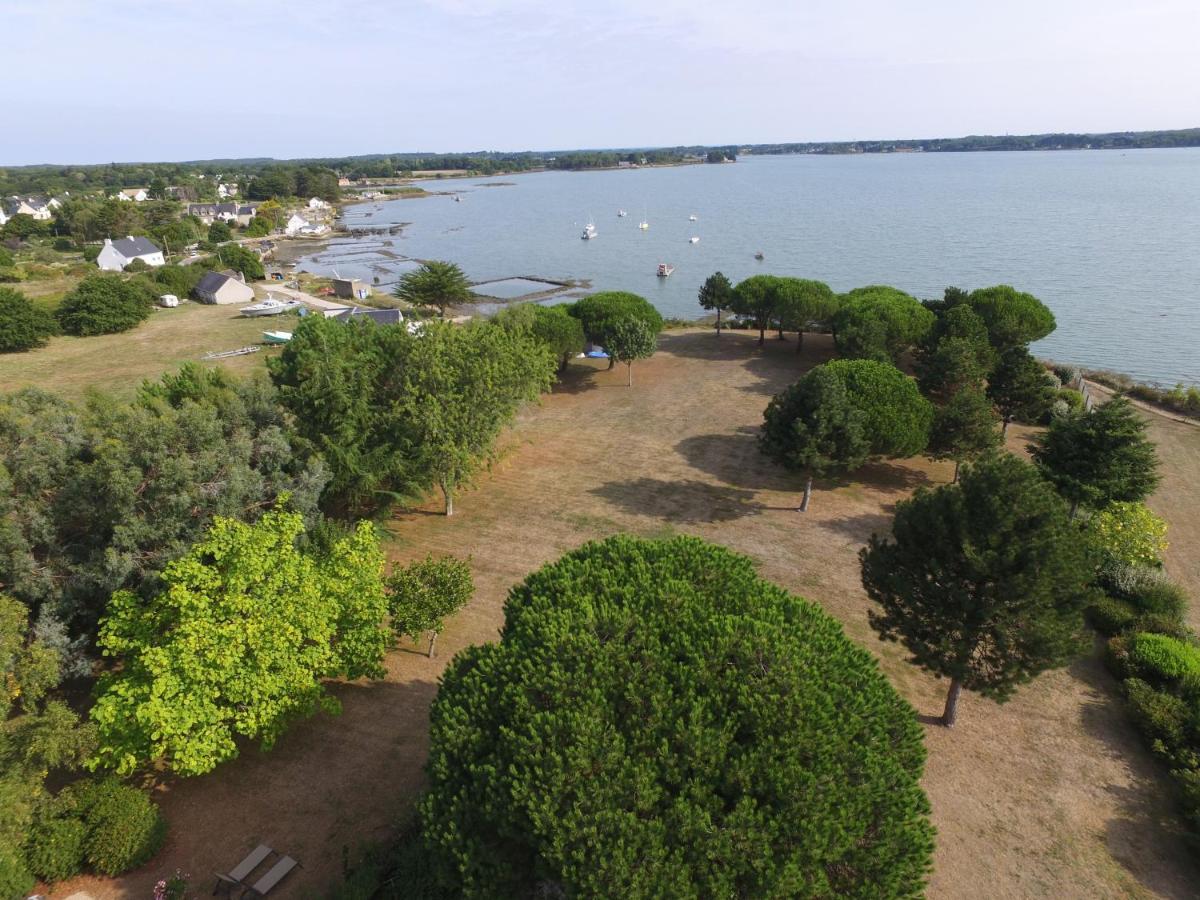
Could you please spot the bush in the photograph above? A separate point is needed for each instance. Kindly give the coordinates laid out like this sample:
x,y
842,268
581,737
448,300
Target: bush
x,y
64,244
104,304
15,880
1162,658
423,593
1162,598
124,827
1127,533
1073,399
55,849
23,325
1156,623
1110,615
1158,715
1066,374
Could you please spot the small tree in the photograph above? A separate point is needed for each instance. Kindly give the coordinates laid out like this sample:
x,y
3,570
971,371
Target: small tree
x,y
554,326
896,417
435,283
964,428
218,232
657,720
237,644
236,257
1099,457
423,593
758,297
984,582
1019,387
630,340
716,293
23,326
956,353
814,428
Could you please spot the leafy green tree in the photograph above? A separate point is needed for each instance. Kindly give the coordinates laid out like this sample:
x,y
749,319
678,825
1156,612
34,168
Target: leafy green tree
x,y
984,582
157,189
880,323
813,427
23,326
104,304
802,301
1019,387
631,340
955,354
435,283
897,418
23,226
238,258
260,226
554,326
759,298
237,644
38,735
1100,457
218,232
658,721
964,427
423,593
601,313
1013,318
716,294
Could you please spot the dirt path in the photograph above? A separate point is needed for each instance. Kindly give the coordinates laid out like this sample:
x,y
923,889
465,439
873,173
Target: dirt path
x,y
1050,795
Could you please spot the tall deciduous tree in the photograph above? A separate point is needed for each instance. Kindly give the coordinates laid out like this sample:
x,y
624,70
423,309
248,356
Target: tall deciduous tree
x,y
814,427
1019,387
631,340
554,326
983,582
656,720
237,644
435,283
716,294
964,427
880,323
1099,457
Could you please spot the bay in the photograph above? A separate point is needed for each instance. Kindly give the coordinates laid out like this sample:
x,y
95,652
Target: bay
x,y
1110,240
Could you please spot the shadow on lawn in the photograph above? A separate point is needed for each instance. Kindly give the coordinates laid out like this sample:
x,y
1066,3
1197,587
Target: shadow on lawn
x,y
682,502
735,459
858,528
775,365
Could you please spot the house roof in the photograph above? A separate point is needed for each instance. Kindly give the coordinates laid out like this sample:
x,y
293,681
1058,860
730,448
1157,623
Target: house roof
x,y
130,247
212,282
378,316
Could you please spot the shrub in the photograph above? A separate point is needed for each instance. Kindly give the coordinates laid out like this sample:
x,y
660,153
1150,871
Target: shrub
x,y
23,325
1161,597
1066,374
1127,533
1158,715
55,848
124,827
64,244
1073,400
1163,658
15,880
104,304
1110,615
1157,623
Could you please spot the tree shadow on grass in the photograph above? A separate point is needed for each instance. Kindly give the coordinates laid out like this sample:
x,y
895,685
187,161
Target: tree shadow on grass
x,y
858,528
683,502
735,459
575,380
890,477
775,365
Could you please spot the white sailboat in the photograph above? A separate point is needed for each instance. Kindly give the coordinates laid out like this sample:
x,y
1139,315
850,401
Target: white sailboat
x,y
589,231
621,214
644,224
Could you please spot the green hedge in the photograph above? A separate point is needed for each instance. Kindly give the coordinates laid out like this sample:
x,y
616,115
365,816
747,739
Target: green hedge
x,y
56,848
1163,658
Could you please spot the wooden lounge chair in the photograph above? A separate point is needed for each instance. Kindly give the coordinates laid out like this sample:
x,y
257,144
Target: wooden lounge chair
x,y
242,870
274,875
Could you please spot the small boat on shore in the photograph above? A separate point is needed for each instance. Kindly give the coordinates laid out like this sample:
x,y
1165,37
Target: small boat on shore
x,y
665,270
270,307
694,239
276,337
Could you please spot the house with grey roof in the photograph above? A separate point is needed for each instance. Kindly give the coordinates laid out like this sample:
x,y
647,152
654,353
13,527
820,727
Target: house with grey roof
x,y
378,316
116,255
223,288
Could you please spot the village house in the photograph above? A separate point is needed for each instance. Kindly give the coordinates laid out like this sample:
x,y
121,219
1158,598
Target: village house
x,y
343,181
318,203
116,255
135,194
350,289
226,212
297,224
35,207
227,190
223,288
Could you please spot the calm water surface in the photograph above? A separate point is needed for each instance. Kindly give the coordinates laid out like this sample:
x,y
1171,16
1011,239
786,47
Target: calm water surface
x,y
1110,240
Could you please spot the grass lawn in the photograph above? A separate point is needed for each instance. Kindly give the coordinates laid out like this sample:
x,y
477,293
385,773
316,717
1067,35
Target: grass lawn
x,y
120,362
1049,795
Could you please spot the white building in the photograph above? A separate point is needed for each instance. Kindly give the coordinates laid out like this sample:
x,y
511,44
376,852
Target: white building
x,y
318,203
223,288
35,207
227,190
137,195
116,255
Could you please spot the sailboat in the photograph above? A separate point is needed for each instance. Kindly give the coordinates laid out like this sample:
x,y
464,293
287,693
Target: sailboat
x,y
644,224
589,231
621,214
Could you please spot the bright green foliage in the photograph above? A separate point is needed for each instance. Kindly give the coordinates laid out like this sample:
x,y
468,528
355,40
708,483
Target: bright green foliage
x,y
984,582
23,325
600,313
435,283
101,498
1159,715
260,226
104,304
124,827
1013,318
658,721
897,418
218,232
716,294
1100,457
815,427
37,735
1127,533
238,258
554,326
956,353
237,644
880,323
1019,387
1162,659
964,428
423,593
178,280
760,298
801,301
55,849
394,413
631,340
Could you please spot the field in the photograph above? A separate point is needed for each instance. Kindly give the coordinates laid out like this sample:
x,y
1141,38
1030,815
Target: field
x,y
120,362
1050,795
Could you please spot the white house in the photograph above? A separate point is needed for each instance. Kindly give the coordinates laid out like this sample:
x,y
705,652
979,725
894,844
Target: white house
x,y
137,195
318,203
223,288
36,207
296,224
116,255
227,190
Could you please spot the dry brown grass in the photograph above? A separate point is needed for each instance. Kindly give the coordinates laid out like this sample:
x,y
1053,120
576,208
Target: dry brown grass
x,y
120,362
1050,795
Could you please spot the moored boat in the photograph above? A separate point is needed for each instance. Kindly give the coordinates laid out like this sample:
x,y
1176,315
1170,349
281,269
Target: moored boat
x,y
276,337
665,270
589,231
694,239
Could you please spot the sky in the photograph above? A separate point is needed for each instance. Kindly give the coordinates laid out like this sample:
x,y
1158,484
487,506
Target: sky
x,y
150,80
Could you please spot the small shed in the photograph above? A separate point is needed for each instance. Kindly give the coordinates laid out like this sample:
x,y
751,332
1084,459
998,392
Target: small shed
x,y
350,289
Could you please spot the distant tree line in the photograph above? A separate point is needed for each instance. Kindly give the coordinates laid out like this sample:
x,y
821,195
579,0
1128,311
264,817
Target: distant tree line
x,y
1114,140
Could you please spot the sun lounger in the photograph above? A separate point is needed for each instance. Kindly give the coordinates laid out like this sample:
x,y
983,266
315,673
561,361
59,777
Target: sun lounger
x,y
242,870
274,875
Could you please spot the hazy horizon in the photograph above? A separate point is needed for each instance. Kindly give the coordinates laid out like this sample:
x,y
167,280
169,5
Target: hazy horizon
x,y
174,81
